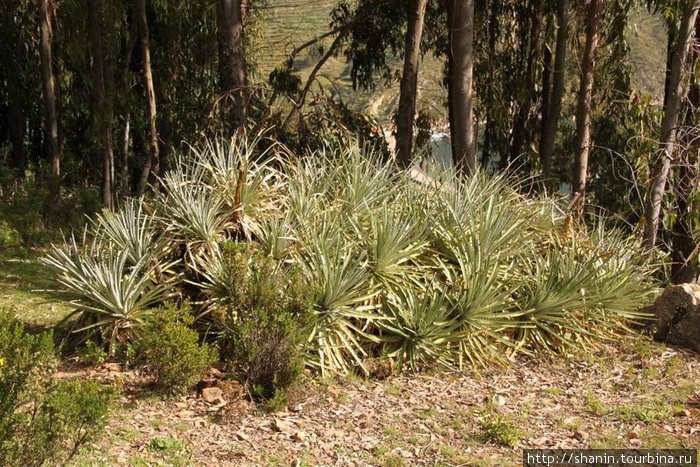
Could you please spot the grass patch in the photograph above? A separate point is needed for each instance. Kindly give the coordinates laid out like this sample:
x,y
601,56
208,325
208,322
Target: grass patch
x,y
169,444
648,411
501,428
26,287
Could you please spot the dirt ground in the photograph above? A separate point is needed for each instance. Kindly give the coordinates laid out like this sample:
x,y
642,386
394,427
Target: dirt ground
x,y
634,395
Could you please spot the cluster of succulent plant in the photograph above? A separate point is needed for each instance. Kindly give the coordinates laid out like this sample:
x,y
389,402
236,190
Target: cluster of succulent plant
x,y
442,272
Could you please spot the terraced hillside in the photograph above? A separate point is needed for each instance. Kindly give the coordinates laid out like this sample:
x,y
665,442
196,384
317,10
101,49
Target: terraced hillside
x,y
286,24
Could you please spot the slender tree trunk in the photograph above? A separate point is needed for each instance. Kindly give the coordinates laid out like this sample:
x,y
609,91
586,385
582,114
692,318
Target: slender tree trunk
x,y
450,86
521,118
102,117
166,139
152,165
48,88
492,33
684,243
409,82
461,42
674,95
232,64
584,104
549,123
126,131
546,83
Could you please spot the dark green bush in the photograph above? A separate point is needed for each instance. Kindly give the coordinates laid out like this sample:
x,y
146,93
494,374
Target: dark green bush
x,y
43,420
172,349
263,326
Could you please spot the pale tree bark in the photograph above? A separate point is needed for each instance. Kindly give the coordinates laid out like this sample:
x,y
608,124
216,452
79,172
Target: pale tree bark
x,y
152,165
409,82
674,94
461,43
126,63
521,118
232,64
584,104
48,87
102,108
551,119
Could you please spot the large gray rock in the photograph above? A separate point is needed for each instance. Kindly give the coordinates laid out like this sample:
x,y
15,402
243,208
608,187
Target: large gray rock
x,y
677,313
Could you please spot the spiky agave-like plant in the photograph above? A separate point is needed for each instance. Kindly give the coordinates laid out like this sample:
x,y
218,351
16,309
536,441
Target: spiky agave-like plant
x,y
111,298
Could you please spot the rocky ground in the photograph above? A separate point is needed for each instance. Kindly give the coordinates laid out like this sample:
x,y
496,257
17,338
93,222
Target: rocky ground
x,y
635,394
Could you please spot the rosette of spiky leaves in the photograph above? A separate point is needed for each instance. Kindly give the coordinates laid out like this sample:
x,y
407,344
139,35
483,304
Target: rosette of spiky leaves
x,y
552,301
131,229
309,178
191,211
277,234
360,179
395,236
419,328
480,234
242,175
338,272
111,299
622,280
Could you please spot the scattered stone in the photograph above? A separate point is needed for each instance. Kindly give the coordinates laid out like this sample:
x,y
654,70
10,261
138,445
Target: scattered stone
x,y
242,436
498,401
281,425
332,433
299,436
212,395
207,383
214,373
185,414
677,311
113,367
200,423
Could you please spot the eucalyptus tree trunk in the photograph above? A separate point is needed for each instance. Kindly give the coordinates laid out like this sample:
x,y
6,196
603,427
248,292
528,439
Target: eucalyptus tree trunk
x,y
461,43
232,64
684,243
546,82
47,82
674,93
551,119
101,105
492,26
521,118
685,246
152,165
409,82
584,104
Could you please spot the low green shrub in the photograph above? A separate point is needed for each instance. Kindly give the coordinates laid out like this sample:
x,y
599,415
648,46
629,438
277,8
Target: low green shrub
x,y
43,420
172,349
268,307
92,353
500,428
